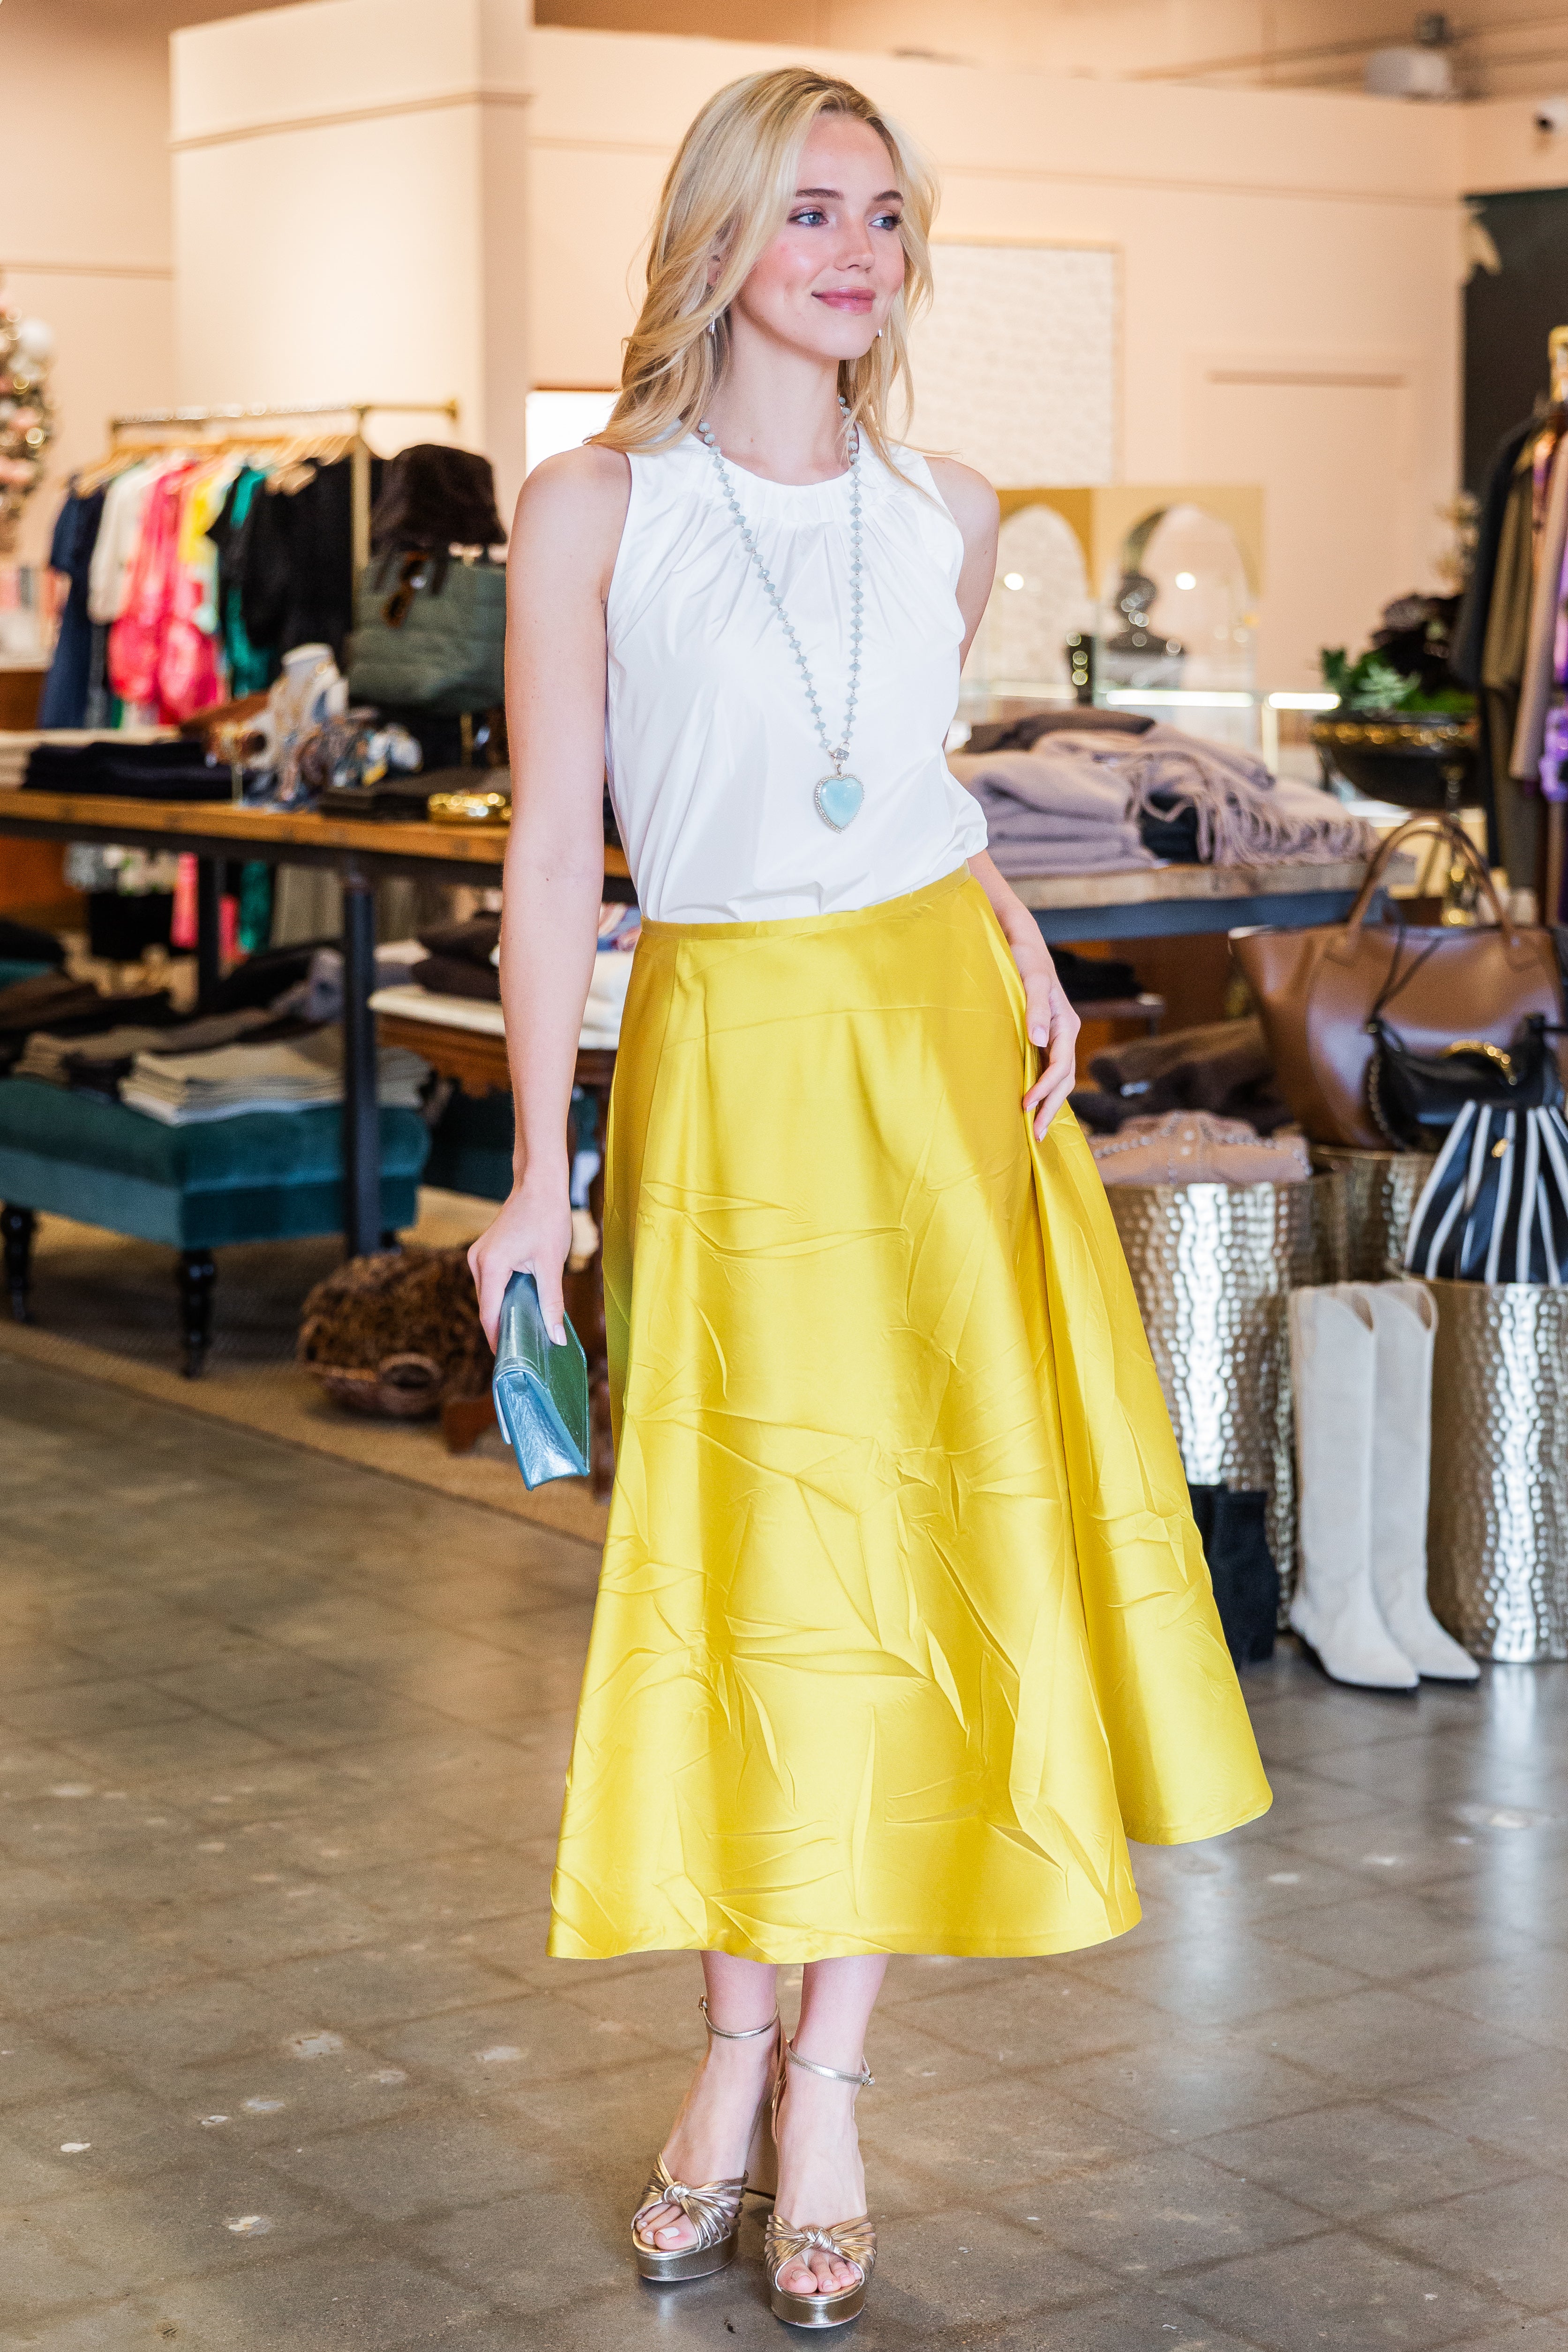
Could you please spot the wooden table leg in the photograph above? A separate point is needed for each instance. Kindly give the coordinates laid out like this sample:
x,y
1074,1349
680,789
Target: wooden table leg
x,y
209,935
197,1276
18,1226
463,1421
362,1119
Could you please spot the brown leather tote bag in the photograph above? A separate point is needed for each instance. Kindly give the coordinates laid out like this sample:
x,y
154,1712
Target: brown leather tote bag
x,y
1316,991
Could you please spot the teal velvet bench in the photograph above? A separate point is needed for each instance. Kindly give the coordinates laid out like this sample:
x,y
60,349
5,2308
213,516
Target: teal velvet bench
x,y
267,1176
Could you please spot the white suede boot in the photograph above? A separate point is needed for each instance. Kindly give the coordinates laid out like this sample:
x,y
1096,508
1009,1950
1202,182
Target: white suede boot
x,y
1404,1324
1333,1357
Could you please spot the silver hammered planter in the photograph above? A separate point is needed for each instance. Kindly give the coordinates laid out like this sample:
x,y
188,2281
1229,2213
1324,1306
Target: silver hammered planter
x,y
1496,1531
1380,1189
1211,1264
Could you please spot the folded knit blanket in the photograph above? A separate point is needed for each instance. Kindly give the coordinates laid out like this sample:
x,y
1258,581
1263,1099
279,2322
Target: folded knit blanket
x,y
1108,851
1050,813
1225,1067
1245,815
183,1090
100,1062
1072,781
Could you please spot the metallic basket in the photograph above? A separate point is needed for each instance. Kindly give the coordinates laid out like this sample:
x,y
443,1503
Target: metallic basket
x,y
1380,1189
1497,1533
1211,1264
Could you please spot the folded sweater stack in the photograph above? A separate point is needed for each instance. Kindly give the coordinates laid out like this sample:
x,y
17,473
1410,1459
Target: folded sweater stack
x,y
1057,808
1086,803
601,1029
185,1090
1224,1067
69,1008
463,960
459,959
96,1065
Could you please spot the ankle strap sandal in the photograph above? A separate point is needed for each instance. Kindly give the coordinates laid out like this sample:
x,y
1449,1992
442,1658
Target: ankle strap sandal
x,y
851,2241
713,2209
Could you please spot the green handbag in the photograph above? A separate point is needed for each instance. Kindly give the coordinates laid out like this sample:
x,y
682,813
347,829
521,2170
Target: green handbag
x,y
540,1390
430,636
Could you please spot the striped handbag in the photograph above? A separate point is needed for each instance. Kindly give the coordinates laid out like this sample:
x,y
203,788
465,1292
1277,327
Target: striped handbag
x,y
1495,1207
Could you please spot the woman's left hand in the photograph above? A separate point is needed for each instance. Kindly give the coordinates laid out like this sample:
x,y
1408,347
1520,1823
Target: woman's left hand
x,y
1051,1022
1053,1026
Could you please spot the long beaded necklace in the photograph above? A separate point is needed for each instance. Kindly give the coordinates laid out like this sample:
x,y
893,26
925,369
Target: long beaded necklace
x,y
838,797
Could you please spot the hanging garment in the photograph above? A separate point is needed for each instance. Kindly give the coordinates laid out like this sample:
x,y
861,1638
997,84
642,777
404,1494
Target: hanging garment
x,y
1470,628
435,498
1502,672
190,664
136,639
296,560
1469,644
251,668
1538,680
66,688
119,536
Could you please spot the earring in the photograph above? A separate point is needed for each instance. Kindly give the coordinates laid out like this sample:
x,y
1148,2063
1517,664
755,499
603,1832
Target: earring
x,y
879,334
712,326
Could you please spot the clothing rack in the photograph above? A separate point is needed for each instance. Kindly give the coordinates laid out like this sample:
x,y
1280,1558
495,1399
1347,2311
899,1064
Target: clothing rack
x,y
1557,364
359,458
1557,361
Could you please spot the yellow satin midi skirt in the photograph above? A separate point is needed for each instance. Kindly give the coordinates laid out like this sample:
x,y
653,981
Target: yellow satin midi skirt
x,y
903,1627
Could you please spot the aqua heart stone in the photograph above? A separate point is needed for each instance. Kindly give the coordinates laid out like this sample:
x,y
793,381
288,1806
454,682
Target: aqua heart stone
x,y
838,799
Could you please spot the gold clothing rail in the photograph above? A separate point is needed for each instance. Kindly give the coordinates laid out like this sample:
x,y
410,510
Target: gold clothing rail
x,y
360,481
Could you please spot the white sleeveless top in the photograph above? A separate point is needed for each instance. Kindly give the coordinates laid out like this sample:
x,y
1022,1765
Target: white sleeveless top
x,y
709,746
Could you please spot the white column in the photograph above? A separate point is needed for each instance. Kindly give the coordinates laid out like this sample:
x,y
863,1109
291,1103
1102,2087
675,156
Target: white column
x,y
348,178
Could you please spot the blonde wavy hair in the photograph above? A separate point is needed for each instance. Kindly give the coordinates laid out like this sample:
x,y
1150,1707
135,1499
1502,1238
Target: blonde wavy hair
x,y
728,191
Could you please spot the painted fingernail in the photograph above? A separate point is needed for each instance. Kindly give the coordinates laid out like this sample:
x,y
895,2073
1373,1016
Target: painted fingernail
x,y
558,1334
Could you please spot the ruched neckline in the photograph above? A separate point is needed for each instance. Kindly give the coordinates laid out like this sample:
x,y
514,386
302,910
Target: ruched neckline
x,y
793,502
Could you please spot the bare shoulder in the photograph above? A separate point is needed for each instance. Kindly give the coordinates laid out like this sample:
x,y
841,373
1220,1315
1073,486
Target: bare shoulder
x,y
571,510
968,499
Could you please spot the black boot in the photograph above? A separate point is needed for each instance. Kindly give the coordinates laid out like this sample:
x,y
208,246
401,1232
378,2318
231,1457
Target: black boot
x,y
1241,1566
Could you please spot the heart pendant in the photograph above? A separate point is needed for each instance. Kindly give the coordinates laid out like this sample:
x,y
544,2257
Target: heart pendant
x,y
839,800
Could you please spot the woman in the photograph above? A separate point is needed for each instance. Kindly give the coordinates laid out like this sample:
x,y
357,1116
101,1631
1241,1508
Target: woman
x,y
904,1626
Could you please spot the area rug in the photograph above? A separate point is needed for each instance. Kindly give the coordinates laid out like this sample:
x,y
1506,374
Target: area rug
x,y
107,1308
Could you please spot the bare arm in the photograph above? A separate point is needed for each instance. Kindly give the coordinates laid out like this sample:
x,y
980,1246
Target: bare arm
x,y
1052,1023
564,541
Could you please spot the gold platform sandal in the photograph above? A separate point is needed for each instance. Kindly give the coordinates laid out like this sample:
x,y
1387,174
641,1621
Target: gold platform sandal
x,y
716,2207
852,2242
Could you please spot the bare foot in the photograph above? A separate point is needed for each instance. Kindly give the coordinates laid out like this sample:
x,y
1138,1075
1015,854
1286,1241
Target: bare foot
x,y
820,2176
712,2133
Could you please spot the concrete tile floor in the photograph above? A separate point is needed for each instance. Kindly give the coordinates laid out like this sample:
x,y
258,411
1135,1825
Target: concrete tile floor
x,y
282,2061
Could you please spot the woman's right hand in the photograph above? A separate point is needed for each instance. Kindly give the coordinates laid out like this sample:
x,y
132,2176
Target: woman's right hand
x,y
532,1236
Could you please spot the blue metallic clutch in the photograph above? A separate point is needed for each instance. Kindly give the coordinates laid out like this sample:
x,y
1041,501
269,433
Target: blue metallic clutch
x,y
540,1390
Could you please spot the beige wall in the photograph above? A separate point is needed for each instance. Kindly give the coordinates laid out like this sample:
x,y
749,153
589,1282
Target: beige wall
x,y
1503,149
359,209
1290,277
1504,47
86,220
384,262
85,225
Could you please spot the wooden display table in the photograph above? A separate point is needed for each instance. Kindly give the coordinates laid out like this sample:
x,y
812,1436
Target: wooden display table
x,y
1145,902
1139,902
465,1041
21,690
359,850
